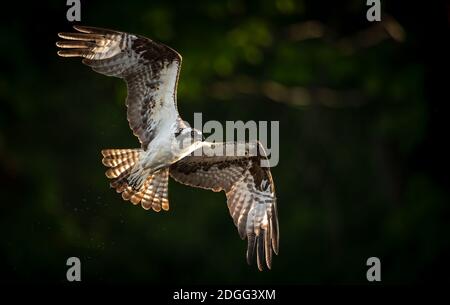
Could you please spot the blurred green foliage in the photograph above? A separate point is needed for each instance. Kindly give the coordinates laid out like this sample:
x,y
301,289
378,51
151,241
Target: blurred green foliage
x,y
353,112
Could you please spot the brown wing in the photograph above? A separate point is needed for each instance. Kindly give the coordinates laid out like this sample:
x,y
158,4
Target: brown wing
x,y
150,70
250,195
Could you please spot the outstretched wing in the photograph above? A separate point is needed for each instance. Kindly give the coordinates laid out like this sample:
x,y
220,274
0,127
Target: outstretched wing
x,y
250,195
150,70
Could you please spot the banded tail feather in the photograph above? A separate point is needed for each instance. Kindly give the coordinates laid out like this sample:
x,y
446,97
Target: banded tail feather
x,y
152,194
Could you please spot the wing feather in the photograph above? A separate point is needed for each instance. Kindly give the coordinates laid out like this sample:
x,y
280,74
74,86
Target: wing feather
x,y
150,70
250,195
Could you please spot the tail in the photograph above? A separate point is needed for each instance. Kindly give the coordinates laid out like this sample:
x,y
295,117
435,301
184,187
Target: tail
x,y
153,193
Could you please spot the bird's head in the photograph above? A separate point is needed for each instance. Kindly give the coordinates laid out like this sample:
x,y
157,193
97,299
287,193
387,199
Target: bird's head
x,y
188,136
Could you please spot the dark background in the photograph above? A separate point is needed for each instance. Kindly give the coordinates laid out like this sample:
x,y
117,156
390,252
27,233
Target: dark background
x,y
363,134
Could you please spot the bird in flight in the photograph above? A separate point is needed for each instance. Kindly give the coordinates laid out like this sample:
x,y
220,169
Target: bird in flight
x,y
169,146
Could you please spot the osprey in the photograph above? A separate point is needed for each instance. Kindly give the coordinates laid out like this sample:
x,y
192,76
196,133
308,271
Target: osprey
x,y
151,71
